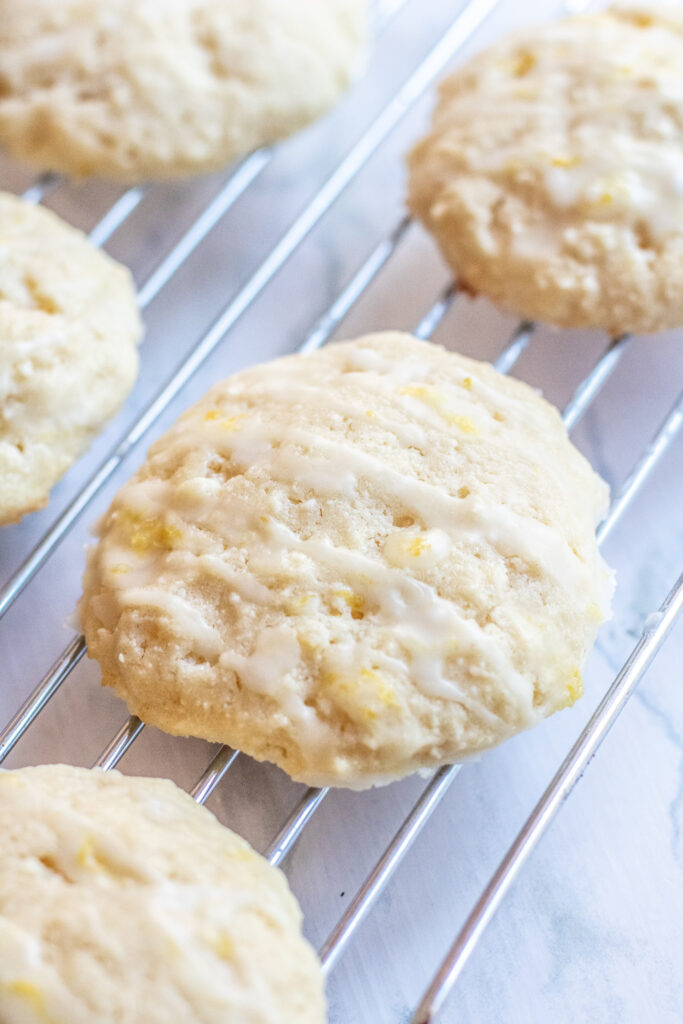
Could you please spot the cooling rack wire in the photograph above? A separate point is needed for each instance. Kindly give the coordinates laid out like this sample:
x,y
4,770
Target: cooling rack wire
x,y
465,24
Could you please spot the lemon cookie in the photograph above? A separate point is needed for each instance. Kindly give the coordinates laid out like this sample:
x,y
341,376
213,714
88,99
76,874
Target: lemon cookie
x,y
356,563
134,89
552,178
69,328
123,900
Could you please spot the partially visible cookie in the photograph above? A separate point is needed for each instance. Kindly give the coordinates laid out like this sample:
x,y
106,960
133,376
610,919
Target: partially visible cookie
x,y
122,900
552,178
357,563
69,328
136,89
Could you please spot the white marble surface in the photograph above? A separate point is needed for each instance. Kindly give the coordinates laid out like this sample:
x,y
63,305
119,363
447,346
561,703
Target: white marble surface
x,y
593,930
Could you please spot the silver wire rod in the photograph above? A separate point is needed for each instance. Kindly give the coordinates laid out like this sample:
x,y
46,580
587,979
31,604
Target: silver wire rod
x,y
654,633
205,786
466,23
358,284
117,747
231,191
659,444
368,893
595,381
391,858
41,188
295,824
46,689
435,314
382,14
116,215
518,342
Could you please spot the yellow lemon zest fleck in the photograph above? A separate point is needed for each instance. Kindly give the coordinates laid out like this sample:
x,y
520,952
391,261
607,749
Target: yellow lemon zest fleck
x,y
467,383
612,188
243,854
88,857
595,612
226,422
463,422
524,63
371,414
384,692
566,161
85,854
223,946
419,391
147,534
369,686
418,545
305,645
298,603
92,859
354,601
574,689
435,400
28,991
119,569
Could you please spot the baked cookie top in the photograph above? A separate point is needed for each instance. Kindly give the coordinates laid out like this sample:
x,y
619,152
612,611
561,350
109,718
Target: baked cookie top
x,y
122,899
552,177
356,563
69,328
135,89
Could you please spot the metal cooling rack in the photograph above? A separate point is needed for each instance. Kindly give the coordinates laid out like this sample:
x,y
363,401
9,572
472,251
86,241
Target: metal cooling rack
x,y
457,36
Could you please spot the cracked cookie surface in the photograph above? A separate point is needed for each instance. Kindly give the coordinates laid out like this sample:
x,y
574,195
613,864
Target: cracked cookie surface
x,y
552,177
356,563
137,89
121,899
69,330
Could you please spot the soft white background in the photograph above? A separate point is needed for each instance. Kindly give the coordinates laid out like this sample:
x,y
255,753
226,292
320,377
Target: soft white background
x,y
593,931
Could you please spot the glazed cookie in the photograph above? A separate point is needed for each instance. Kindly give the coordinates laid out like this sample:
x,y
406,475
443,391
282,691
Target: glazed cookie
x,y
123,900
357,563
69,328
552,178
135,89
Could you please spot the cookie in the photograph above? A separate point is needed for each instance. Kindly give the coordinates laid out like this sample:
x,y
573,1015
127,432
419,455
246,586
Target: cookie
x,y
358,563
136,89
123,900
69,328
552,178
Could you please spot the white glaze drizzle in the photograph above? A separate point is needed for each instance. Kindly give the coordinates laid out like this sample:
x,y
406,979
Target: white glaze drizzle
x,y
428,628
187,618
